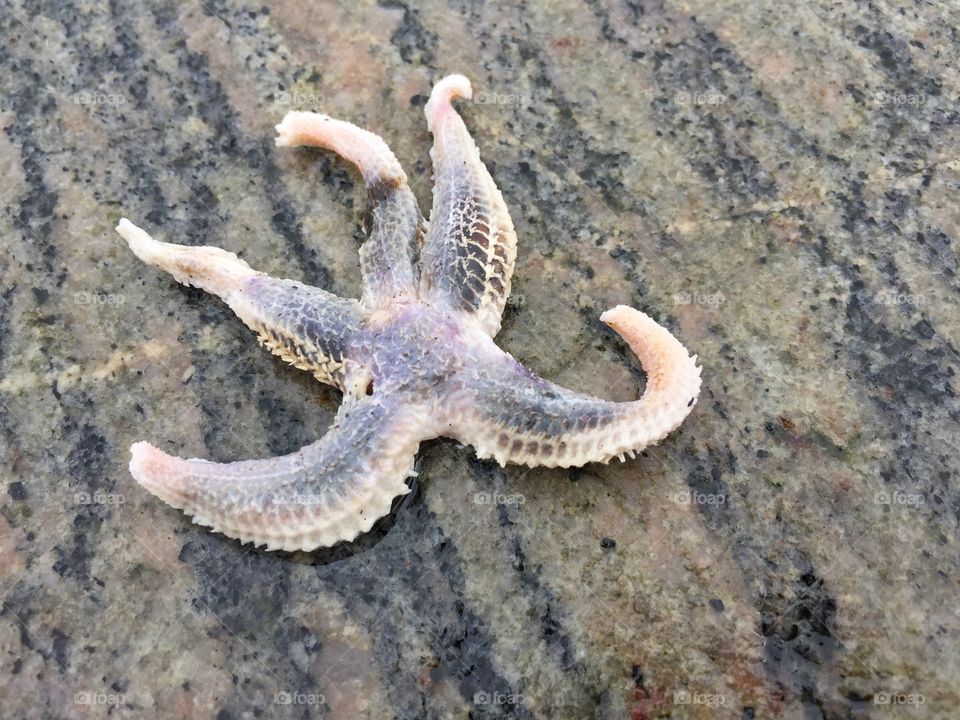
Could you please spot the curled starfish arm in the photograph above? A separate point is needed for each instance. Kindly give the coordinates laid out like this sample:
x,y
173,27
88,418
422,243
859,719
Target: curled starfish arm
x,y
306,326
508,413
331,490
388,259
471,246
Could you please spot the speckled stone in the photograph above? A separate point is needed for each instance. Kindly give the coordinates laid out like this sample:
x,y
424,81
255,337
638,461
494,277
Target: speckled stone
x,y
778,184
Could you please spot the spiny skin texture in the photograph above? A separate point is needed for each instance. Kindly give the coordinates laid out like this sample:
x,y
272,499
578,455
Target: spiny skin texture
x,y
471,246
415,357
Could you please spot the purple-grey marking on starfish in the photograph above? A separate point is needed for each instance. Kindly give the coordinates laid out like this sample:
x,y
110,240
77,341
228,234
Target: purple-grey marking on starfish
x,y
415,357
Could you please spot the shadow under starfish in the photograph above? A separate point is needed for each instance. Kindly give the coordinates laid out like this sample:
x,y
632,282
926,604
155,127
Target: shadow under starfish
x,y
414,357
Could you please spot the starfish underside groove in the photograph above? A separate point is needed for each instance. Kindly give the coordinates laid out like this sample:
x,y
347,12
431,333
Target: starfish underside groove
x,y
414,357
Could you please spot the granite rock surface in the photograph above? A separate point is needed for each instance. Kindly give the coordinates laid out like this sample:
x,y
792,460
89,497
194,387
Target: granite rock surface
x,y
779,184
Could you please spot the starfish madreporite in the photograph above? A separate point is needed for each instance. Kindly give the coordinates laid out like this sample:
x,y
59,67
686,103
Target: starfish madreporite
x,y
414,357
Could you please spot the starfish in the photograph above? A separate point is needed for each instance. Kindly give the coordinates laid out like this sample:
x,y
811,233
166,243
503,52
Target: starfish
x,y
414,357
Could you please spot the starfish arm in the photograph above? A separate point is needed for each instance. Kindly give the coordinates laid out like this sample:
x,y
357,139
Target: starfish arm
x,y
471,245
306,326
388,259
510,414
329,491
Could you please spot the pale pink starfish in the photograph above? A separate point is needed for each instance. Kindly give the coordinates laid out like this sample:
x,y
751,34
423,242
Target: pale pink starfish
x,y
415,357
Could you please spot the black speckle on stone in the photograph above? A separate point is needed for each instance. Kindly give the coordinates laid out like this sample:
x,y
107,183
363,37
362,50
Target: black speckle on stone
x,y
801,623
204,196
518,557
706,476
855,93
413,41
61,649
75,561
88,459
41,295
548,624
17,491
186,552
608,543
418,100
527,172
716,604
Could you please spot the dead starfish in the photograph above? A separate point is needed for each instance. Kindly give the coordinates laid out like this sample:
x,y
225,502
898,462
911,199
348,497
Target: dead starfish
x,y
415,357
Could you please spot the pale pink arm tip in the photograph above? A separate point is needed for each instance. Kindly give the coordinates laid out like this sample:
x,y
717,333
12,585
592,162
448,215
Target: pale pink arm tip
x,y
443,93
